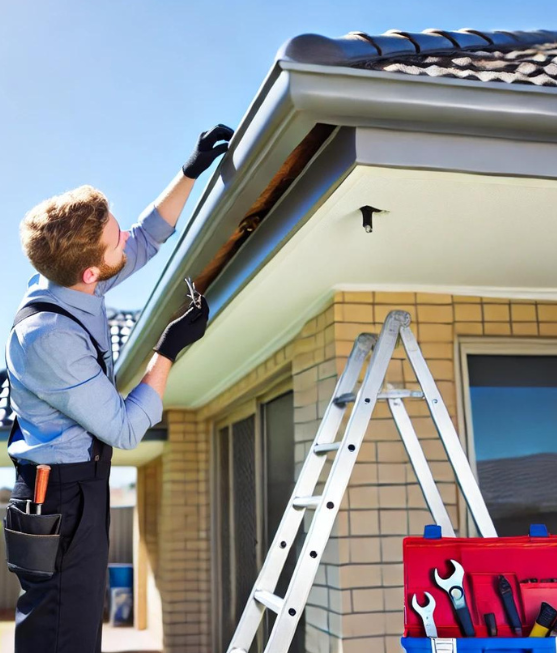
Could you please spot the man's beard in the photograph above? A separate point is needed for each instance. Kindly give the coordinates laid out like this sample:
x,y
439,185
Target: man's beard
x,y
109,271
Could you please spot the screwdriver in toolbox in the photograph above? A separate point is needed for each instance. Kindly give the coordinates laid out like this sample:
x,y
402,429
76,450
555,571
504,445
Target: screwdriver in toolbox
x,y
41,483
506,594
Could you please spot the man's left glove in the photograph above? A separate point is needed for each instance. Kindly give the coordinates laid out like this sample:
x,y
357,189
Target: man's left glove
x,y
206,151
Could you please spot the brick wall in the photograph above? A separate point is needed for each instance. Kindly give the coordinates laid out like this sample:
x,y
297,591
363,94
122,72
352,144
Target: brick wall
x,y
357,600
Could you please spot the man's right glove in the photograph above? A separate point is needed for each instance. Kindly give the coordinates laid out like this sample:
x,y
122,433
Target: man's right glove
x,y
184,331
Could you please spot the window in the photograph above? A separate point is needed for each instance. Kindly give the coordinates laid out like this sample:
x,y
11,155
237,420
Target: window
x,y
254,478
513,422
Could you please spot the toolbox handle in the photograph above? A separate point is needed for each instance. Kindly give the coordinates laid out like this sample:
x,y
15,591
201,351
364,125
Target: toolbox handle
x,y
538,530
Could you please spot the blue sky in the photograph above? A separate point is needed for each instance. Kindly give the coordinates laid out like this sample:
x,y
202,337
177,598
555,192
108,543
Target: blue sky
x,y
114,93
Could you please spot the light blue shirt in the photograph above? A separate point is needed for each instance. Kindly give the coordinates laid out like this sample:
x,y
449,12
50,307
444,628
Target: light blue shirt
x,y
58,390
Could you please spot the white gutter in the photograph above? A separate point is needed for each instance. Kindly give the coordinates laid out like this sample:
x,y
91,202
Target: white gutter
x,y
295,97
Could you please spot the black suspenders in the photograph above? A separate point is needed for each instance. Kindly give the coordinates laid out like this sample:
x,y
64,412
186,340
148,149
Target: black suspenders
x,y
100,450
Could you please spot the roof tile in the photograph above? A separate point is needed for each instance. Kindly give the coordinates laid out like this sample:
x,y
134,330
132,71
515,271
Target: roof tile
x,y
426,42
461,39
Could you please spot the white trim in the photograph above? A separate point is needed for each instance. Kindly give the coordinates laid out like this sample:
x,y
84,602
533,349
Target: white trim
x,y
465,346
537,294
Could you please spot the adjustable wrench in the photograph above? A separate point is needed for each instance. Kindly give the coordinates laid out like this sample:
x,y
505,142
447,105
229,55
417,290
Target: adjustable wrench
x,y
426,613
455,589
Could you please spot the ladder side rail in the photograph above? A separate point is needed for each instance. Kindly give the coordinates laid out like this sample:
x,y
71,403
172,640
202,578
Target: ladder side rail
x,y
307,480
455,453
421,467
303,576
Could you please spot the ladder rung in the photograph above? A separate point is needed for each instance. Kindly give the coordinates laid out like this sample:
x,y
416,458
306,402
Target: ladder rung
x,y
269,600
346,398
306,502
325,448
401,394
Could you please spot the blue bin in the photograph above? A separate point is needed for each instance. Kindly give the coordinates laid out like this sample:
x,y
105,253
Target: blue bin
x,y
486,644
120,575
121,594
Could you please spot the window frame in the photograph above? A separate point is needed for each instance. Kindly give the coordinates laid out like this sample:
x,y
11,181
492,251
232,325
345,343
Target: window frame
x,y
252,406
488,346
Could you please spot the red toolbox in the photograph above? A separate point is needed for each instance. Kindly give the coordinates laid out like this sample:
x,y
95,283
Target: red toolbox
x,y
529,563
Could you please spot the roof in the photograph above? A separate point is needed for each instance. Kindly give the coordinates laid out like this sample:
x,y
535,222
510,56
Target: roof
x,y
120,324
499,56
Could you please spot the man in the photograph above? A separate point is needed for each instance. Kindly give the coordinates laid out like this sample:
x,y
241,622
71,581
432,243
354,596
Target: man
x,y
69,413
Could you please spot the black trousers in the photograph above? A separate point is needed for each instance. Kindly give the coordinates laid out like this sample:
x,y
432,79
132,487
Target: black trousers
x,y
64,613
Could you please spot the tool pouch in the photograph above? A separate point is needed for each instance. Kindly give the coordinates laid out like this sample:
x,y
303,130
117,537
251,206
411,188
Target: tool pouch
x,y
32,543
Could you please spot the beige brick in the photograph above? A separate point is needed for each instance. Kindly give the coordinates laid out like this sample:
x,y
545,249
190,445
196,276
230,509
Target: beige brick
x,y
368,600
442,370
395,298
497,329
468,312
523,312
468,328
525,328
340,600
392,473
393,522
358,625
548,329
360,645
495,300
392,496
364,474
358,297
496,313
382,429
394,622
393,645
364,522
391,549
367,452
391,452
435,314
464,299
392,575
365,549
349,331
394,598
363,497
442,471
435,333
437,350
547,312
394,372
364,576
382,311
362,313
434,298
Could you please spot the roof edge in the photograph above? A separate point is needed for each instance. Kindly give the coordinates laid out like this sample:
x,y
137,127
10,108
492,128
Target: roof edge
x,y
359,46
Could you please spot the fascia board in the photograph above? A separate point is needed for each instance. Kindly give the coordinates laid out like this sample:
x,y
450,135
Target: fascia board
x,y
292,99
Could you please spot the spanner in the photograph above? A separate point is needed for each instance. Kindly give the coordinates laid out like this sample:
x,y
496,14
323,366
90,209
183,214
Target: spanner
x,y
426,613
455,589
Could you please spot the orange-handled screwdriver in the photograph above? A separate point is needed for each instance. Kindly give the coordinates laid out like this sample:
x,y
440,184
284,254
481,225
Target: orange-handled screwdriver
x,y
41,483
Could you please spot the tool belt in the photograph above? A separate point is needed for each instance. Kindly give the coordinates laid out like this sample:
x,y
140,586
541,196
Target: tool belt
x,y
480,594
32,541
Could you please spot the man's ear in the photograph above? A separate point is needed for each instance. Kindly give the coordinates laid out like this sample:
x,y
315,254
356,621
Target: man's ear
x,y
90,275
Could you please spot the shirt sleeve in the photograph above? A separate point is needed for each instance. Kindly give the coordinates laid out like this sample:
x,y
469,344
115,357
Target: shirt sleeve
x,y
146,238
74,384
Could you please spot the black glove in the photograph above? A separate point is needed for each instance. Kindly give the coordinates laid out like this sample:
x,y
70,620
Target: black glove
x,y
184,331
206,152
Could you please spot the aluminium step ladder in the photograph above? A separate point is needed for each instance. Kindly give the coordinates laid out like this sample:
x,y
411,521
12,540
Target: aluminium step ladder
x,y
290,607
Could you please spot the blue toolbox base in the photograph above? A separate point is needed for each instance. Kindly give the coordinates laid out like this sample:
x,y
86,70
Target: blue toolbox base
x,y
488,644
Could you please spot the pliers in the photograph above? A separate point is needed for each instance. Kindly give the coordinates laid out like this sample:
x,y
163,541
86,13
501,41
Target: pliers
x,y
455,589
194,295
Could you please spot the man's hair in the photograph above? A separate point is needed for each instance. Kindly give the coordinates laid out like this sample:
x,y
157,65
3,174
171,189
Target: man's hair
x,y
61,236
